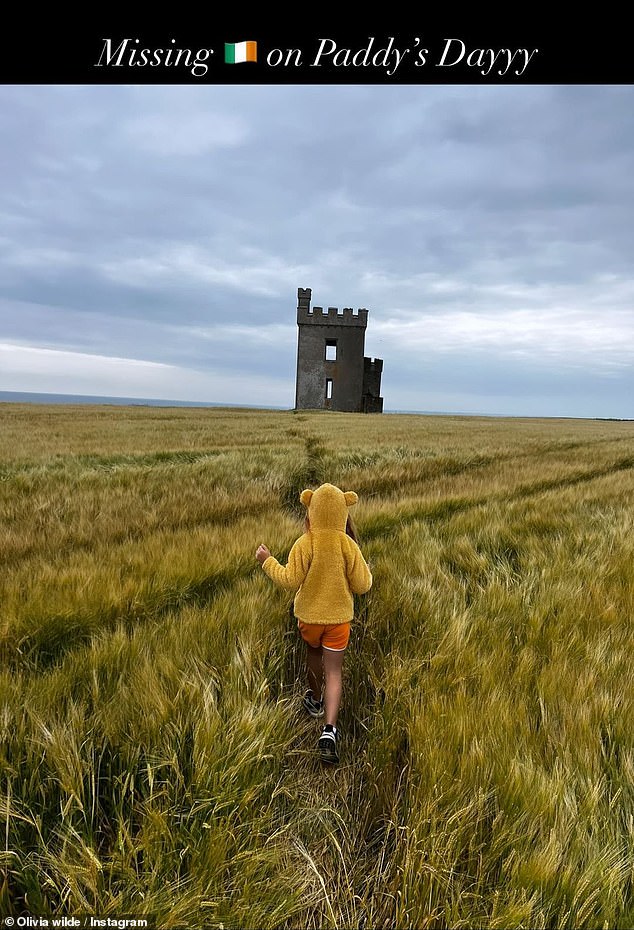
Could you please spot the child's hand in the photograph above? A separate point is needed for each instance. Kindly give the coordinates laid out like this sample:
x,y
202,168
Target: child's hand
x,y
262,554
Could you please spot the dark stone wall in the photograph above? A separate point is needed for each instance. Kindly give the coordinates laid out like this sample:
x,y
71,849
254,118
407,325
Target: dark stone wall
x,y
346,328
372,370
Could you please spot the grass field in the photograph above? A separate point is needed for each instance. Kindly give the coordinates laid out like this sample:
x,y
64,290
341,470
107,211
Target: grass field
x,y
154,759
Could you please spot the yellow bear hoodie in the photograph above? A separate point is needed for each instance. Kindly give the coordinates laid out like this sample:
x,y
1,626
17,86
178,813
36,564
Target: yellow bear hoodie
x,y
325,563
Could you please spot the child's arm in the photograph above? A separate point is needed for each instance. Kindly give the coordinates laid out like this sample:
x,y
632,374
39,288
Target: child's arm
x,y
293,573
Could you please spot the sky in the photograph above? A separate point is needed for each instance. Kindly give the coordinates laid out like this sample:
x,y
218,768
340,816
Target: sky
x,y
152,240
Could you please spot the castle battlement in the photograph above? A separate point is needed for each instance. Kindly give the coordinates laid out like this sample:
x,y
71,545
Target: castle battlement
x,y
373,364
332,316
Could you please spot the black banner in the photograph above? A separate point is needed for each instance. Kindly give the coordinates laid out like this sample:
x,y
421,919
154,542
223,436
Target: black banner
x,y
421,51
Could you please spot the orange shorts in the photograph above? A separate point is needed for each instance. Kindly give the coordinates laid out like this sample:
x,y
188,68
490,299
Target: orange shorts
x,y
332,636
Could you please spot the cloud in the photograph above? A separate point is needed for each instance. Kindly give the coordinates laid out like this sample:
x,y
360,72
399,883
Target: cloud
x,y
567,336
32,369
184,134
251,271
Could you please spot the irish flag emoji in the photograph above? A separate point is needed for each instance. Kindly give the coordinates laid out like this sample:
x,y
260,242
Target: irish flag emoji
x,y
237,52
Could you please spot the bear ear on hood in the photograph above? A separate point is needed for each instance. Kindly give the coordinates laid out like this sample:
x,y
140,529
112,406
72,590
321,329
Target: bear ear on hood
x,y
306,497
351,498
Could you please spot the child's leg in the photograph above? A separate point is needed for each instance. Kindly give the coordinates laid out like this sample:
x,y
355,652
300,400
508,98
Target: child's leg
x,y
315,670
333,663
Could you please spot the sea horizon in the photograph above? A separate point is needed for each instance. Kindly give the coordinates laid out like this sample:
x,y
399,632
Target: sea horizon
x,y
41,397
34,397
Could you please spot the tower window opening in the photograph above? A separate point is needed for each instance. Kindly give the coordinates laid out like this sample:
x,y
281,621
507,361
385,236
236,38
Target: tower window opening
x,y
328,388
331,350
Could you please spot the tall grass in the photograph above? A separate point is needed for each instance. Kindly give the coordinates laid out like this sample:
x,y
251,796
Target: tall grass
x,y
154,759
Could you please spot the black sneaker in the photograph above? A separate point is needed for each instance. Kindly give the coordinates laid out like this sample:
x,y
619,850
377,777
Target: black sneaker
x,y
314,708
328,744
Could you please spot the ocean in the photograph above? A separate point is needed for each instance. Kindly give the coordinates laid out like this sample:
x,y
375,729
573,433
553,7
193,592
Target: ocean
x,y
27,397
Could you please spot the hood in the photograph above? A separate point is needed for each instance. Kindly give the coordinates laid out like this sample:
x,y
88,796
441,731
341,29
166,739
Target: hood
x,y
328,507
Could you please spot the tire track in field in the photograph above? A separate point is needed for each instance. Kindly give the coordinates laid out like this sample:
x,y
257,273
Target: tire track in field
x,y
447,467
442,510
627,462
59,635
84,464
130,534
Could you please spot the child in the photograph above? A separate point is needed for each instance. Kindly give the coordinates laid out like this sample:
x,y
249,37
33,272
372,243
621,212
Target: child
x,y
326,566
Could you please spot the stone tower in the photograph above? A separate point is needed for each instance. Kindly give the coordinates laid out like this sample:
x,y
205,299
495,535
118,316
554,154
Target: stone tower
x,y
332,371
